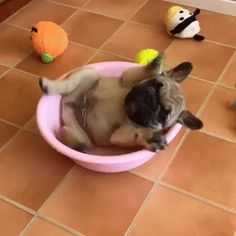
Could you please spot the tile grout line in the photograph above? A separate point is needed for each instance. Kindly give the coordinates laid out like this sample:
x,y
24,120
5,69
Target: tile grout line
x,y
48,199
107,52
193,77
211,83
227,87
76,11
14,66
21,128
83,7
115,32
57,189
198,113
102,14
200,79
146,200
98,50
28,225
198,198
10,123
141,175
10,67
140,210
173,155
6,144
51,222
158,182
180,142
226,67
63,4
36,214
3,74
3,64
220,44
30,120
82,45
11,16
18,26
205,102
132,21
107,40
188,131
60,225
217,136
128,20
112,35
116,55
89,59
25,72
52,195
17,205
166,167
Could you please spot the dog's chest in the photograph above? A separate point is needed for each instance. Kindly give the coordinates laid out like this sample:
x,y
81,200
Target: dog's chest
x,y
106,109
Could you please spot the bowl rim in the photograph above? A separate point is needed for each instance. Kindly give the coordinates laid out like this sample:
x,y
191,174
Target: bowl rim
x,y
93,158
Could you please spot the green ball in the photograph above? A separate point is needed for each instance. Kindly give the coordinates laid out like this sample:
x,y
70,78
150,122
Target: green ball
x,y
46,58
144,57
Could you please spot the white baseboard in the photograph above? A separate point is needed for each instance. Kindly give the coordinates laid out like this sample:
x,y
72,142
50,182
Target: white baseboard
x,y
227,7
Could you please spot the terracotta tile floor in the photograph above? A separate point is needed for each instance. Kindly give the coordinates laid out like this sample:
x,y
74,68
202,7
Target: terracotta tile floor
x,y
188,189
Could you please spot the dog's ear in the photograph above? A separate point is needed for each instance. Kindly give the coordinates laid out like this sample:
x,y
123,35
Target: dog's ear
x,y
187,119
180,72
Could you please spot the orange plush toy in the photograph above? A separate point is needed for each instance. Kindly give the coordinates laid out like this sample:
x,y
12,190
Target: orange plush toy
x,y
49,40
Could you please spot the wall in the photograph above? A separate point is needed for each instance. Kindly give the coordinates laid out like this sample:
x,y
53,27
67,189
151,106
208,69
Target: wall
x,y
222,6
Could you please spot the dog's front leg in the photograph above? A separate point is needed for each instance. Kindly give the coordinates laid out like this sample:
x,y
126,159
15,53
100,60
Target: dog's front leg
x,y
134,75
128,135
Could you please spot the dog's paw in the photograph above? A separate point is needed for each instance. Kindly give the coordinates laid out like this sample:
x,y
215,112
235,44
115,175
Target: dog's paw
x,y
81,147
155,147
155,63
70,139
157,142
47,86
43,85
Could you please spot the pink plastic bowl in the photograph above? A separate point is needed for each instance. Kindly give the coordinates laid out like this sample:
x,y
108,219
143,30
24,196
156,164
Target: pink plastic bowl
x,y
49,124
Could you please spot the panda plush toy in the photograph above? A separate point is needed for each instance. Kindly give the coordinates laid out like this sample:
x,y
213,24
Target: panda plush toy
x,y
182,23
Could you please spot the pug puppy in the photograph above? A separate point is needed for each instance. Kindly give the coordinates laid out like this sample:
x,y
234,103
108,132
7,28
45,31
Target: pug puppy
x,y
131,110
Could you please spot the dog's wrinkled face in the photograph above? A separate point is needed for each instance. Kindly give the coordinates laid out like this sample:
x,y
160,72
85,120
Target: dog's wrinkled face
x,y
144,106
159,102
